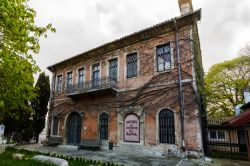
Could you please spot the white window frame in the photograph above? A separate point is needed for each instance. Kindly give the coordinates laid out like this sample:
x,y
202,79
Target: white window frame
x,y
217,139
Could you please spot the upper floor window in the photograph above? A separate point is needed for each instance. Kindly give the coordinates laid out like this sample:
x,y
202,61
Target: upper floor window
x,y
69,79
81,76
163,55
95,74
113,66
59,83
132,65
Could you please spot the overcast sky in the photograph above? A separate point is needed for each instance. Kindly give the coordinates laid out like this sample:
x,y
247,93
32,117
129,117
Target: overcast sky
x,y
84,24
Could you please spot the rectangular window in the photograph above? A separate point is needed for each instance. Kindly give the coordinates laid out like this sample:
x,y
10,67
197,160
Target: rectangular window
x,y
163,56
95,75
55,126
217,134
213,135
113,66
132,65
59,84
81,76
69,79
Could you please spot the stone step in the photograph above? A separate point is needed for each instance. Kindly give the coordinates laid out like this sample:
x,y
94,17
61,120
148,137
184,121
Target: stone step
x,y
68,147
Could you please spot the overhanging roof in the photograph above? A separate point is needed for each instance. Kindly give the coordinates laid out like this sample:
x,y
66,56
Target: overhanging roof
x,y
245,106
239,121
145,34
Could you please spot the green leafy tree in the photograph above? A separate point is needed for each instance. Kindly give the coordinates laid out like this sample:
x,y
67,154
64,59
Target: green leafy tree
x,y
19,40
225,83
40,104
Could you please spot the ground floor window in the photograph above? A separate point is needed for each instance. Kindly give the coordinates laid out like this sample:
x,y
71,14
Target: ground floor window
x,y
55,126
166,126
103,122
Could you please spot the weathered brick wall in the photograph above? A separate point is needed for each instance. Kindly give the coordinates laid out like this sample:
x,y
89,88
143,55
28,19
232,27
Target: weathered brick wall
x,y
150,90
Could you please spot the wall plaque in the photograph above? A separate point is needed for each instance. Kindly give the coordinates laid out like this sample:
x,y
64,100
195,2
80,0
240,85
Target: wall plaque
x,y
131,128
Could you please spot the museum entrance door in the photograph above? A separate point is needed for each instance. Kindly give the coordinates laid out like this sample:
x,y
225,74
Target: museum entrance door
x,y
74,129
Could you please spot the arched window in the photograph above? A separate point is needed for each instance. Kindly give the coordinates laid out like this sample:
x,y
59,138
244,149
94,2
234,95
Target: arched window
x,y
166,126
103,125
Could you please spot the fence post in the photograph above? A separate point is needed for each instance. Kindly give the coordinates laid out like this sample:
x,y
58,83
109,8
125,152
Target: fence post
x,y
248,141
230,143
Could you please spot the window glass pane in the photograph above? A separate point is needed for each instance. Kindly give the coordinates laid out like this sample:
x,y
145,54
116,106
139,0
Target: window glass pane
x,y
59,83
213,135
103,121
113,65
95,74
81,76
55,126
132,65
166,126
221,135
69,79
163,57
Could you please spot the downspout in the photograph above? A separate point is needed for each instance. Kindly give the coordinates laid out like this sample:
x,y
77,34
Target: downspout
x,y
181,100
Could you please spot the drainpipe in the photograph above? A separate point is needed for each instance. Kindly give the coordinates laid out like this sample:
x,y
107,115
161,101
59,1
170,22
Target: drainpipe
x,y
181,100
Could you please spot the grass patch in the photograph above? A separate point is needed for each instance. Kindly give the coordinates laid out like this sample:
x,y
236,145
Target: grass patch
x,y
6,159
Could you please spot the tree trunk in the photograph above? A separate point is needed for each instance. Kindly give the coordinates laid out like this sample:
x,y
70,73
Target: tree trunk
x,y
37,138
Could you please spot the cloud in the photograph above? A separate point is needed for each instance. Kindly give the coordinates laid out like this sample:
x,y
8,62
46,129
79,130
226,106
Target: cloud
x,y
85,24
221,29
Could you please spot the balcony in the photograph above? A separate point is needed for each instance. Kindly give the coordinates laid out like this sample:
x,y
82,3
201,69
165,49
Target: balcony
x,y
103,85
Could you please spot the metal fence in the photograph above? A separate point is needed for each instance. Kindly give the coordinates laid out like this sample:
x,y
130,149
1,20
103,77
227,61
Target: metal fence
x,y
227,143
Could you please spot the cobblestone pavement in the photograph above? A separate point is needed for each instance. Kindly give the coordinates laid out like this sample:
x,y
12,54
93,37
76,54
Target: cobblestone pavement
x,y
129,157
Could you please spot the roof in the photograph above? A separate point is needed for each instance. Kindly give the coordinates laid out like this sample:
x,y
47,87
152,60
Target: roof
x,y
217,121
145,34
241,120
245,106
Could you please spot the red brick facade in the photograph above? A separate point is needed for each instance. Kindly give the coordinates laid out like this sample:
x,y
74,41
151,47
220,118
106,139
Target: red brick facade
x,y
144,95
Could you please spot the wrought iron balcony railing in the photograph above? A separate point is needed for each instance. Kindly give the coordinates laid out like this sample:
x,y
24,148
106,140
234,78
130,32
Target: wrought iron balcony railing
x,y
103,83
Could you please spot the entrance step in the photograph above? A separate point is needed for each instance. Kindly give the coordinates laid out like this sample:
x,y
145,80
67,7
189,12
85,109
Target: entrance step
x,y
68,147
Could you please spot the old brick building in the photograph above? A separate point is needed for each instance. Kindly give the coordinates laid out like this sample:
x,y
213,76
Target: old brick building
x,y
129,91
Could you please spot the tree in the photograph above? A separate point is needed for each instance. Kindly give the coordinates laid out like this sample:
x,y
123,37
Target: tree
x,y
40,104
225,83
19,40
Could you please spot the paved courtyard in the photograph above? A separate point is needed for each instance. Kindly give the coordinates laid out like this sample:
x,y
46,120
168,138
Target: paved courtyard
x,y
129,157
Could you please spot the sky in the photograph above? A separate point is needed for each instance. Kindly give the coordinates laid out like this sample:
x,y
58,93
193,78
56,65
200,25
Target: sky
x,y
85,24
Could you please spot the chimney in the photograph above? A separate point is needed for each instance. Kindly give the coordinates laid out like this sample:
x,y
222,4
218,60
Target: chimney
x,y
185,6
